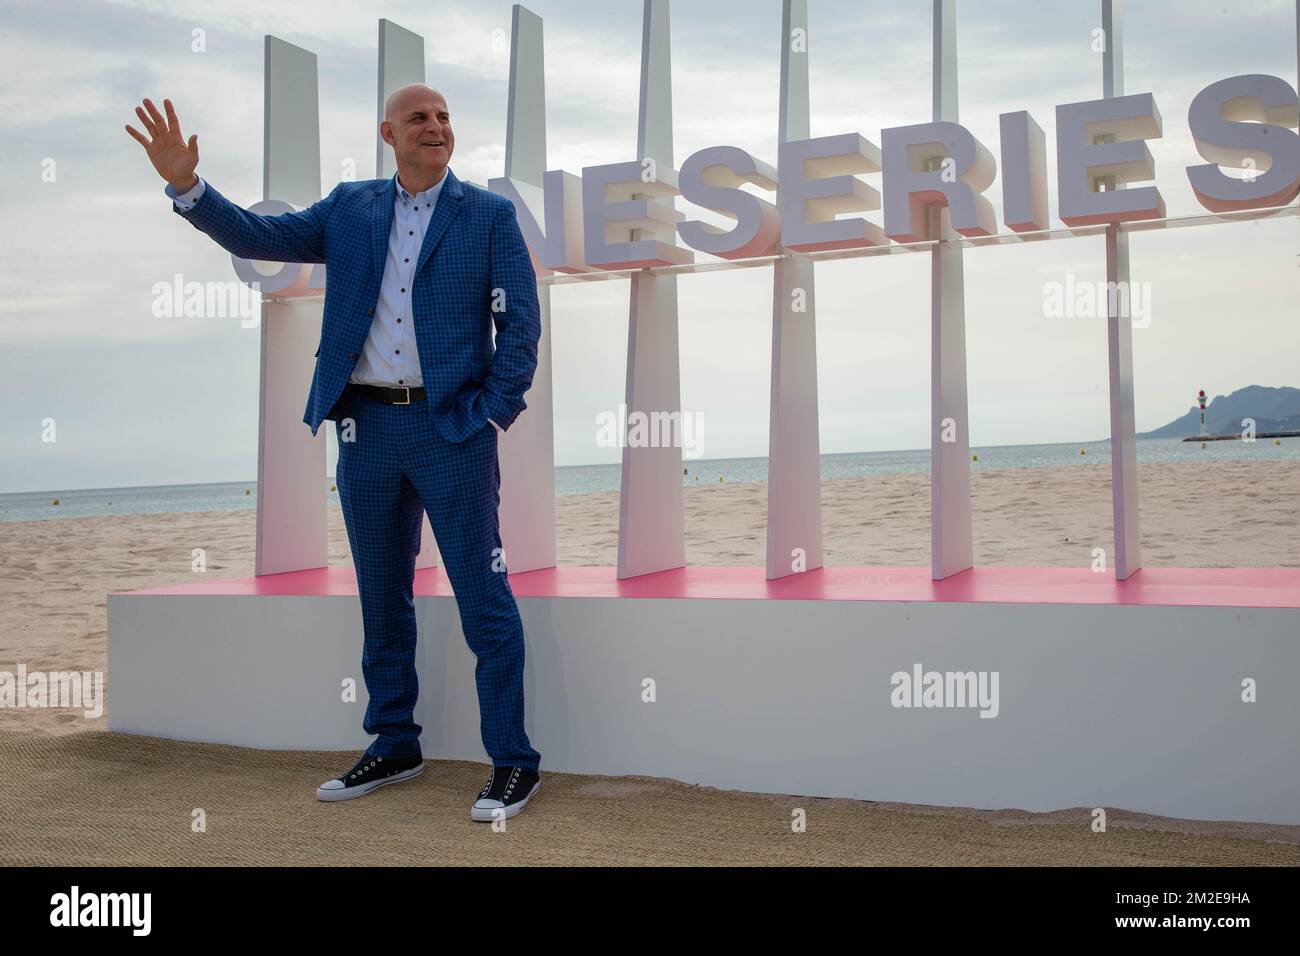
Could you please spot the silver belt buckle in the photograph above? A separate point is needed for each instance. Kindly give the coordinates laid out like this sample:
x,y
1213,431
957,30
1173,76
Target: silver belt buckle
x,y
407,389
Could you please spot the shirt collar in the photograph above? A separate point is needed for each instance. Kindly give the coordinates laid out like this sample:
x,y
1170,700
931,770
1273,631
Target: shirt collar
x,y
431,193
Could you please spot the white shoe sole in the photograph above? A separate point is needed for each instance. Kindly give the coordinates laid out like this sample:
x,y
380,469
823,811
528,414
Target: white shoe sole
x,y
347,793
485,815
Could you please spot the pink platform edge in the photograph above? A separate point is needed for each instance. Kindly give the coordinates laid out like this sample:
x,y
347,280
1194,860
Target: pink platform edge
x,y
1203,587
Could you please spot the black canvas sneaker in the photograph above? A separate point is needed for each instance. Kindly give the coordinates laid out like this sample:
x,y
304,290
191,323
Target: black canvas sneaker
x,y
506,792
368,774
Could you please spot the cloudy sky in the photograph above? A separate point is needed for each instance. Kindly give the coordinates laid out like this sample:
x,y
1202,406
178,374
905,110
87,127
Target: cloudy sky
x,y
145,400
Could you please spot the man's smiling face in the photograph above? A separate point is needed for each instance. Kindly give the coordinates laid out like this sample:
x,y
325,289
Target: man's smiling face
x,y
417,125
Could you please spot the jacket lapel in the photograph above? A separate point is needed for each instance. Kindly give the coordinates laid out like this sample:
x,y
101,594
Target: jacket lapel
x,y
444,211
381,224
381,220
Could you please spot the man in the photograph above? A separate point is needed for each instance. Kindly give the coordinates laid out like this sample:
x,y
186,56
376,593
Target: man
x,y
419,269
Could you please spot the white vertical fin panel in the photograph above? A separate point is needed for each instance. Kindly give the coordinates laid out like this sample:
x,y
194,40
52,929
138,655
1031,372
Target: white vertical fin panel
x,y
1119,337
527,450
794,525
401,62
950,514
650,525
291,489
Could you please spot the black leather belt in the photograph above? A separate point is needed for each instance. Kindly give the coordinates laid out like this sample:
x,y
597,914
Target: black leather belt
x,y
391,395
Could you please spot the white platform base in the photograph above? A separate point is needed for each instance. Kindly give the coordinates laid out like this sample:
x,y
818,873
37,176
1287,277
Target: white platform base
x,y
1134,707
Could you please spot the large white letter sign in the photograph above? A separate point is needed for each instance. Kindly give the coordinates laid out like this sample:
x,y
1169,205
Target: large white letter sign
x,y
808,205
1024,172
559,246
631,186
1246,122
709,178
914,181
1107,138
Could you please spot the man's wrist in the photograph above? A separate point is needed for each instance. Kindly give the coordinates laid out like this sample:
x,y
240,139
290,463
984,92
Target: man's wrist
x,y
186,201
182,189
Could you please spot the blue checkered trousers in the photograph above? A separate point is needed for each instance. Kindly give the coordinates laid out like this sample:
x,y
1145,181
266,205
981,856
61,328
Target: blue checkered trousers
x,y
437,456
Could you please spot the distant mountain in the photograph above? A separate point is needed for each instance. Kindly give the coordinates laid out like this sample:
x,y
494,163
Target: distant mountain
x,y
1274,410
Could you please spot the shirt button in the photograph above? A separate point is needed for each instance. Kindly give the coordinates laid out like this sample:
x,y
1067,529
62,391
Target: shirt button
x,y
399,351
406,260
403,290
411,233
399,321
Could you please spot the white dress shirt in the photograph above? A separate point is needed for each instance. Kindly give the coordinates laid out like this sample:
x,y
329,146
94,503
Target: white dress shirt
x,y
390,357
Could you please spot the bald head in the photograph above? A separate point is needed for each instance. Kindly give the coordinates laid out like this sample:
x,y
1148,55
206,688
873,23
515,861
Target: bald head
x,y
404,96
417,125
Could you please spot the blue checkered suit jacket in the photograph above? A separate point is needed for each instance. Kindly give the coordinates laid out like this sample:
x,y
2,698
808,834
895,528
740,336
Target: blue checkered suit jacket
x,y
472,247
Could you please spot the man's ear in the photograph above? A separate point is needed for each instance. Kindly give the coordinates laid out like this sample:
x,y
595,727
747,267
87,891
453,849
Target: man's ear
x,y
386,133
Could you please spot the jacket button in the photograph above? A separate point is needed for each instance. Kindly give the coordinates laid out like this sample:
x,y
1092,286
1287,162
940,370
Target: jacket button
x,y
371,311
353,356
